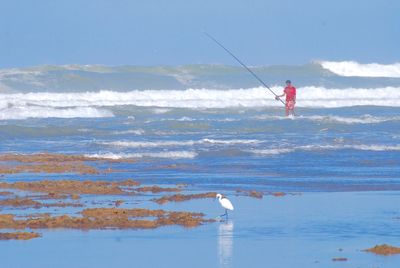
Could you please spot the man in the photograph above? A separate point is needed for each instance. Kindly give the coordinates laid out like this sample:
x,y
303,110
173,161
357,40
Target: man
x,y
290,92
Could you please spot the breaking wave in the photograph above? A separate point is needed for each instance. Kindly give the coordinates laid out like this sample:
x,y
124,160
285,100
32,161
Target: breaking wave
x,y
25,112
352,68
88,104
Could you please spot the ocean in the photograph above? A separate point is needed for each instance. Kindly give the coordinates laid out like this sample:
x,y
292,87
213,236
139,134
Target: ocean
x,y
215,128
215,118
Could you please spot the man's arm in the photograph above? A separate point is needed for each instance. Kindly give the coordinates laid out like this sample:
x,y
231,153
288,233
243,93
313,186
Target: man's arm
x,y
280,96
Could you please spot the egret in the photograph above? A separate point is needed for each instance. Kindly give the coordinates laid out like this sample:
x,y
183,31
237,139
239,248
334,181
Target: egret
x,y
225,203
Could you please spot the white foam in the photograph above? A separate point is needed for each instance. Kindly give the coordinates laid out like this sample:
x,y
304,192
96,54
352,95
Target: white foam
x,y
345,120
362,147
352,68
273,117
161,110
376,147
131,131
147,144
332,98
327,147
156,144
165,154
207,98
24,112
364,119
184,119
191,119
234,141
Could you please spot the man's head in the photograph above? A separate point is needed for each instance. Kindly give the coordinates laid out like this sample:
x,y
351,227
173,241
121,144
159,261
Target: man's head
x,y
288,82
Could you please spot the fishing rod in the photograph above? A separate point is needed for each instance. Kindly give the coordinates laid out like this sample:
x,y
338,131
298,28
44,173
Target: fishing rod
x,y
244,65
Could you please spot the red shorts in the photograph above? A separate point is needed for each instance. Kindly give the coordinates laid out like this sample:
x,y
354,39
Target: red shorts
x,y
290,105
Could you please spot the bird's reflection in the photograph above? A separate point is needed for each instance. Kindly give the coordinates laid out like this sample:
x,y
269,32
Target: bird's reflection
x,y
225,244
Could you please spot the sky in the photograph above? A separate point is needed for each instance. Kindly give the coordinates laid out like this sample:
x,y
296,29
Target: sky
x,y
171,32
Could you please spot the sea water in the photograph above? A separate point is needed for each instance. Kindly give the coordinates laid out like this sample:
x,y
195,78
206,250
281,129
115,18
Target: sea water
x,y
214,120
213,127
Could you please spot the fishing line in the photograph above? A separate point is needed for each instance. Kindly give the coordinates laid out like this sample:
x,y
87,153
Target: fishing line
x,y
244,65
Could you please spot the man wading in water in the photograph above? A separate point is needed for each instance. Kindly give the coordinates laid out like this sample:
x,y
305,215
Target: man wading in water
x,y
290,92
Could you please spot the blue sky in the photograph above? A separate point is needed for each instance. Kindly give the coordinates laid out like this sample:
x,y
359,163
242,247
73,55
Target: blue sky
x,y
169,32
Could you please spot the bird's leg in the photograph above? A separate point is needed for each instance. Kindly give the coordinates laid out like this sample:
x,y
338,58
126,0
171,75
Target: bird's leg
x,y
226,213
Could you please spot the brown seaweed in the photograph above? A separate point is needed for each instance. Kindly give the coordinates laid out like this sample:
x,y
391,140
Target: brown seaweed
x,y
27,202
384,249
18,236
183,197
251,193
105,218
72,187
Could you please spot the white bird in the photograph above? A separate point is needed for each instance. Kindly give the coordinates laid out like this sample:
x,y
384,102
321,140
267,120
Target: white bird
x,y
225,203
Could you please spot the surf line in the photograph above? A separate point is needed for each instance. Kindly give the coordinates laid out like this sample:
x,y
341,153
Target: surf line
x,y
244,65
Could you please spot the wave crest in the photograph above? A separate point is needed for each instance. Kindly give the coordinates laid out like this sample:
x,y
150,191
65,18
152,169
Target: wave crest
x,y
352,68
25,112
202,98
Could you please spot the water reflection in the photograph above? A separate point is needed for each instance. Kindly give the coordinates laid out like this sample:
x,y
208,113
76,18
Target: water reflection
x,y
225,244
